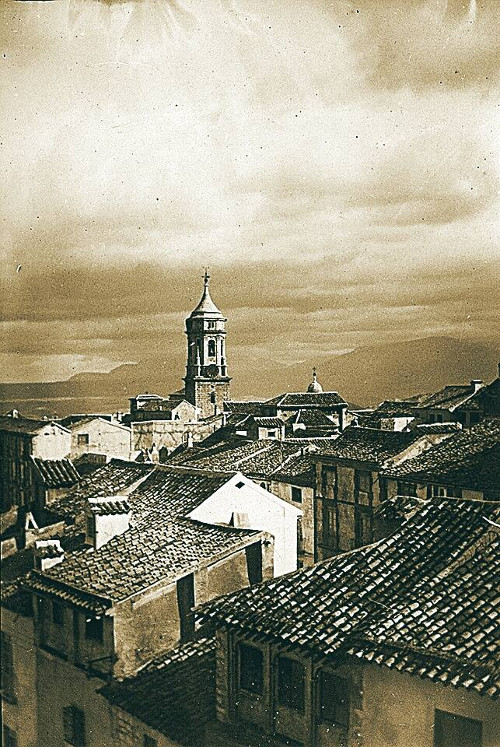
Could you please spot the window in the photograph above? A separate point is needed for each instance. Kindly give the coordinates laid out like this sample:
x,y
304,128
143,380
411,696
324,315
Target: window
x,y
57,613
329,483
91,527
9,737
330,526
251,668
333,699
240,485
290,683
297,495
271,434
211,348
149,741
83,439
94,628
451,730
363,526
407,488
74,726
7,681
441,491
185,604
363,485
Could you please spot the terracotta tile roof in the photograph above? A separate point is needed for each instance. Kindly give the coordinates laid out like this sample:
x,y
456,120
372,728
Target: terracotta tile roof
x,y
244,408
113,479
450,397
312,418
56,473
24,426
154,550
370,444
423,601
256,457
174,492
299,470
174,694
470,458
307,399
268,421
109,506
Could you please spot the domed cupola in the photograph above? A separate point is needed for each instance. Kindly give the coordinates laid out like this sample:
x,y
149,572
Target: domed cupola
x,y
206,307
315,387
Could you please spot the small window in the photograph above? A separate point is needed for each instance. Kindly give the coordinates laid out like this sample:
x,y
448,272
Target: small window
x,y
297,495
329,482
407,488
333,699
57,613
441,491
290,683
149,741
240,484
91,527
251,668
94,628
7,671
74,726
83,439
271,434
9,737
363,487
451,730
329,526
211,348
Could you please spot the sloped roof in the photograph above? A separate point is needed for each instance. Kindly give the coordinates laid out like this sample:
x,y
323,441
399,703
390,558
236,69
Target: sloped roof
x,y
316,418
371,445
154,550
448,398
174,693
267,422
112,479
307,399
257,457
56,473
25,426
174,492
423,601
470,458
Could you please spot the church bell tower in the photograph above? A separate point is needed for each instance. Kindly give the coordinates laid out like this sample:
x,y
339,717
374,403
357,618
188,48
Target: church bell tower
x,y
206,380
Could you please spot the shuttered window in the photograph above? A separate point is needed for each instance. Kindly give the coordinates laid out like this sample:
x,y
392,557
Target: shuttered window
x,y
74,726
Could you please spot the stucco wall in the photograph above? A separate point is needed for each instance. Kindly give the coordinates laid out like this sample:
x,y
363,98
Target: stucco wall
x,y
399,709
284,491
107,438
53,442
264,511
20,713
60,685
167,434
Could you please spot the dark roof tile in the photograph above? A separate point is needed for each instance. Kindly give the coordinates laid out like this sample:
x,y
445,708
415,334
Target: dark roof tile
x,y
422,601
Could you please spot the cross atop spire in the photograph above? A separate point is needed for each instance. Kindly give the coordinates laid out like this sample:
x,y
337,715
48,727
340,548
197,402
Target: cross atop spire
x,y
206,277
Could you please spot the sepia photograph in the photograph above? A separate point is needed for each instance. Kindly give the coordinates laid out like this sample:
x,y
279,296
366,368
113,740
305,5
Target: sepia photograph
x,y
250,373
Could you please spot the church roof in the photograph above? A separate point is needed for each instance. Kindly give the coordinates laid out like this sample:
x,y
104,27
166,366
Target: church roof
x,y
206,306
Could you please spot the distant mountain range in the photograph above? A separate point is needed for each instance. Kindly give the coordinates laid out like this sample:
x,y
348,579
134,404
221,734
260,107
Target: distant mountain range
x,y
365,376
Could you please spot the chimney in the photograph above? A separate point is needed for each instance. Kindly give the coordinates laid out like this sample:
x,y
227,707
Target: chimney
x,y
476,384
105,518
189,440
342,418
47,554
154,454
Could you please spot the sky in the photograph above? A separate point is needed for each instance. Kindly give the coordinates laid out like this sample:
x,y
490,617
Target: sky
x,y
335,164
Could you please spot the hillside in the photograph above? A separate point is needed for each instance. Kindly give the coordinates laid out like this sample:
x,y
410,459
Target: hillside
x,y
365,376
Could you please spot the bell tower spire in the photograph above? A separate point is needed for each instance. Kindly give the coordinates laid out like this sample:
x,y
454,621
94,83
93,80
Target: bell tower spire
x,y
206,380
